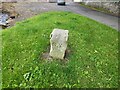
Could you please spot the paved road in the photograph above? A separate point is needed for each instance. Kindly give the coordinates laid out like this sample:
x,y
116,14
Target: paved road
x,y
28,9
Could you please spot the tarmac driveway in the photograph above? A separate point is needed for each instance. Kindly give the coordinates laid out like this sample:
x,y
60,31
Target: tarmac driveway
x,y
29,9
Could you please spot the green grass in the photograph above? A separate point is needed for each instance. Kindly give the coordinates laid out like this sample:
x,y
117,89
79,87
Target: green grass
x,y
91,62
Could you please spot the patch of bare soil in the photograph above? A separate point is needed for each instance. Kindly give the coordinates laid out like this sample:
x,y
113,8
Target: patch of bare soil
x,y
9,8
46,56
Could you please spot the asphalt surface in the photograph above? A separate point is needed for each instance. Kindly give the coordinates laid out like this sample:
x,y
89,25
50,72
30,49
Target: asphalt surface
x,y
29,9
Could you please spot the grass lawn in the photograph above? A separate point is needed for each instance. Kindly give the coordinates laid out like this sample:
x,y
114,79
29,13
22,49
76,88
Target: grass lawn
x,y
92,60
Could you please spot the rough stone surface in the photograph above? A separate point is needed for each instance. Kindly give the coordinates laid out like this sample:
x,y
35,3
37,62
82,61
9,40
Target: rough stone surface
x,y
112,7
58,43
52,1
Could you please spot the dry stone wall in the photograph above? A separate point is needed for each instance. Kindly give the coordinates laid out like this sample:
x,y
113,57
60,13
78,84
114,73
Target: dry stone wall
x,y
112,7
24,0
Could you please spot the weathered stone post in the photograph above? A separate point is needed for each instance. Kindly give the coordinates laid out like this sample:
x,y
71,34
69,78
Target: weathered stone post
x,y
58,43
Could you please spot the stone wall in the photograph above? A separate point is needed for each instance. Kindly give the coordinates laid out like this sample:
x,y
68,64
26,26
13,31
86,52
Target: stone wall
x,y
112,7
24,0
9,0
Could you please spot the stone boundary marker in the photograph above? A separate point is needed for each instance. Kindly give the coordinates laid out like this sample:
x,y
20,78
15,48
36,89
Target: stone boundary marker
x,y
58,43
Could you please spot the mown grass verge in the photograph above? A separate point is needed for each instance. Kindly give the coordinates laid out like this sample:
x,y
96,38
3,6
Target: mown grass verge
x,y
91,62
